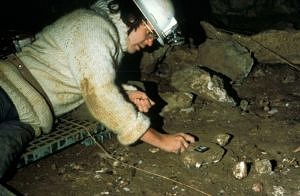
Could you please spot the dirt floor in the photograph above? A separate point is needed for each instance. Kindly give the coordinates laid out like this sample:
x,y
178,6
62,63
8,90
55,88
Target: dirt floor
x,y
264,133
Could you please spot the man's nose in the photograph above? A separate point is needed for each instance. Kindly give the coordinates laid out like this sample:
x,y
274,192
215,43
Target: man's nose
x,y
149,42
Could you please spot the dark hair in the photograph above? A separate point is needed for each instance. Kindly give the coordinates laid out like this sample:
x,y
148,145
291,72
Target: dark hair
x,y
130,13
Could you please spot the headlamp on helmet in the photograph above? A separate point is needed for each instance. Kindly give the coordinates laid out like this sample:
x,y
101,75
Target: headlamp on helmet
x,y
160,14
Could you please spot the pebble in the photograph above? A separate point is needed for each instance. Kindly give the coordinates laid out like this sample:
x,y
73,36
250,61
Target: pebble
x,y
263,166
273,111
240,170
153,150
257,187
279,191
244,105
223,139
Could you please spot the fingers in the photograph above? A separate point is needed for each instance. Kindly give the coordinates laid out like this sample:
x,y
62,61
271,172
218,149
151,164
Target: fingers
x,y
176,143
190,138
144,104
184,146
151,102
186,139
141,100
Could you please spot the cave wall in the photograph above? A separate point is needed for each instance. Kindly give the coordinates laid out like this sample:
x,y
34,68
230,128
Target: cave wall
x,y
238,15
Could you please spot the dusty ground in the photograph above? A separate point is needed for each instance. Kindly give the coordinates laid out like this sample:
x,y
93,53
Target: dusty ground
x,y
268,128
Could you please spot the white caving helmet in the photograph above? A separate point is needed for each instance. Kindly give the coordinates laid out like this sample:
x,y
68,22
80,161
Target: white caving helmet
x,y
160,14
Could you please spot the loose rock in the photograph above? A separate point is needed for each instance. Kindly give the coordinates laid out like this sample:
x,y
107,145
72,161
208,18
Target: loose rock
x,y
194,159
263,166
223,139
257,187
240,170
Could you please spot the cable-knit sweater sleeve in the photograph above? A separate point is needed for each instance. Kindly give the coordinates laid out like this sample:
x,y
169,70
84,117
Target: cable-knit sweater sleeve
x,y
94,50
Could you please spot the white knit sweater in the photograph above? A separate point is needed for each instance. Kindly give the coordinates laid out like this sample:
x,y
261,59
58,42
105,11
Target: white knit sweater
x,y
74,60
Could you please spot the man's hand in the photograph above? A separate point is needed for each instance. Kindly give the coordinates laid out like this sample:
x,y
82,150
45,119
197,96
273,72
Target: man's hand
x,y
176,143
141,100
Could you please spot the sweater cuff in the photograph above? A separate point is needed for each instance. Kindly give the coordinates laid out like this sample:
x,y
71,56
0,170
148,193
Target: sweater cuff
x,y
128,87
135,132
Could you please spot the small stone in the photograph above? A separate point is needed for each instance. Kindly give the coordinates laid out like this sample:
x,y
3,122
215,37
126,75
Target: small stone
x,y
198,165
153,150
104,170
116,163
244,105
273,111
177,101
140,162
257,187
263,166
279,190
97,176
266,108
223,139
240,170
75,166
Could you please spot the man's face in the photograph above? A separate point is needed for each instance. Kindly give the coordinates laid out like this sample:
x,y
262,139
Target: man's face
x,y
138,39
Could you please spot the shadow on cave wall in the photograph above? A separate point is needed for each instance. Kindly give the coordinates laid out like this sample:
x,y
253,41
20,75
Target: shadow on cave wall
x,y
33,15
189,14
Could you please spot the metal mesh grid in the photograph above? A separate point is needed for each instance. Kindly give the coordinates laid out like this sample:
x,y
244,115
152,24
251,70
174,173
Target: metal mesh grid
x,y
66,132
